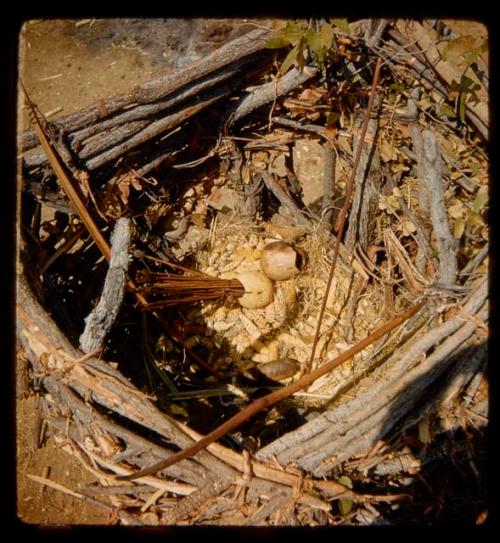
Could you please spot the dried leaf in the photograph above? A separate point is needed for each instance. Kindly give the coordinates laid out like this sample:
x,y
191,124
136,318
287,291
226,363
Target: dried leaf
x,y
457,210
393,202
386,150
399,167
480,199
290,59
124,190
407,227
260,159
198,219
136,182
458,228
390,202
311,95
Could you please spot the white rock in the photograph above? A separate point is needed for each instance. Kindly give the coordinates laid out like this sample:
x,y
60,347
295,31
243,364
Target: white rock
x,y
309,165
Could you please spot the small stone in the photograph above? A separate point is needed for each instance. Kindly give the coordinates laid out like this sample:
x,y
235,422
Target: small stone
x,y
309,165
224,199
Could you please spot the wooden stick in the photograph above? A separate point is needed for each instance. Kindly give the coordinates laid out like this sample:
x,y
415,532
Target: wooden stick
x,y
172,85
433,180
101,318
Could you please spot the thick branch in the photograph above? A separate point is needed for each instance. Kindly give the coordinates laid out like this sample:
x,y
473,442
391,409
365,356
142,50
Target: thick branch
x,y
158,89
434,182
270,91
102,317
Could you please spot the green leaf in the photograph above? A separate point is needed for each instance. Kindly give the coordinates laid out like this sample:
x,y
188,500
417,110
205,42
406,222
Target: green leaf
x,y
178,410
326,35
424,431
397,87
346,481
467,84
290,59
480,200
294,32
332,118
313,40
446,110
474,220
345,507
342,25
277,43
461,106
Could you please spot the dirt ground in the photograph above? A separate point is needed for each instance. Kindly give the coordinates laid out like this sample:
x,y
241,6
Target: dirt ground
x,y
65,66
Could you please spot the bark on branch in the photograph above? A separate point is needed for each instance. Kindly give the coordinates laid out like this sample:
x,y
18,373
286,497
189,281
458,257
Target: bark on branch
x,y
353,426
102,317
433,179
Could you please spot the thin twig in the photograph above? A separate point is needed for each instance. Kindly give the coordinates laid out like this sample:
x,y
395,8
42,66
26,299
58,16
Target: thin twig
x,y
475,262
71,190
